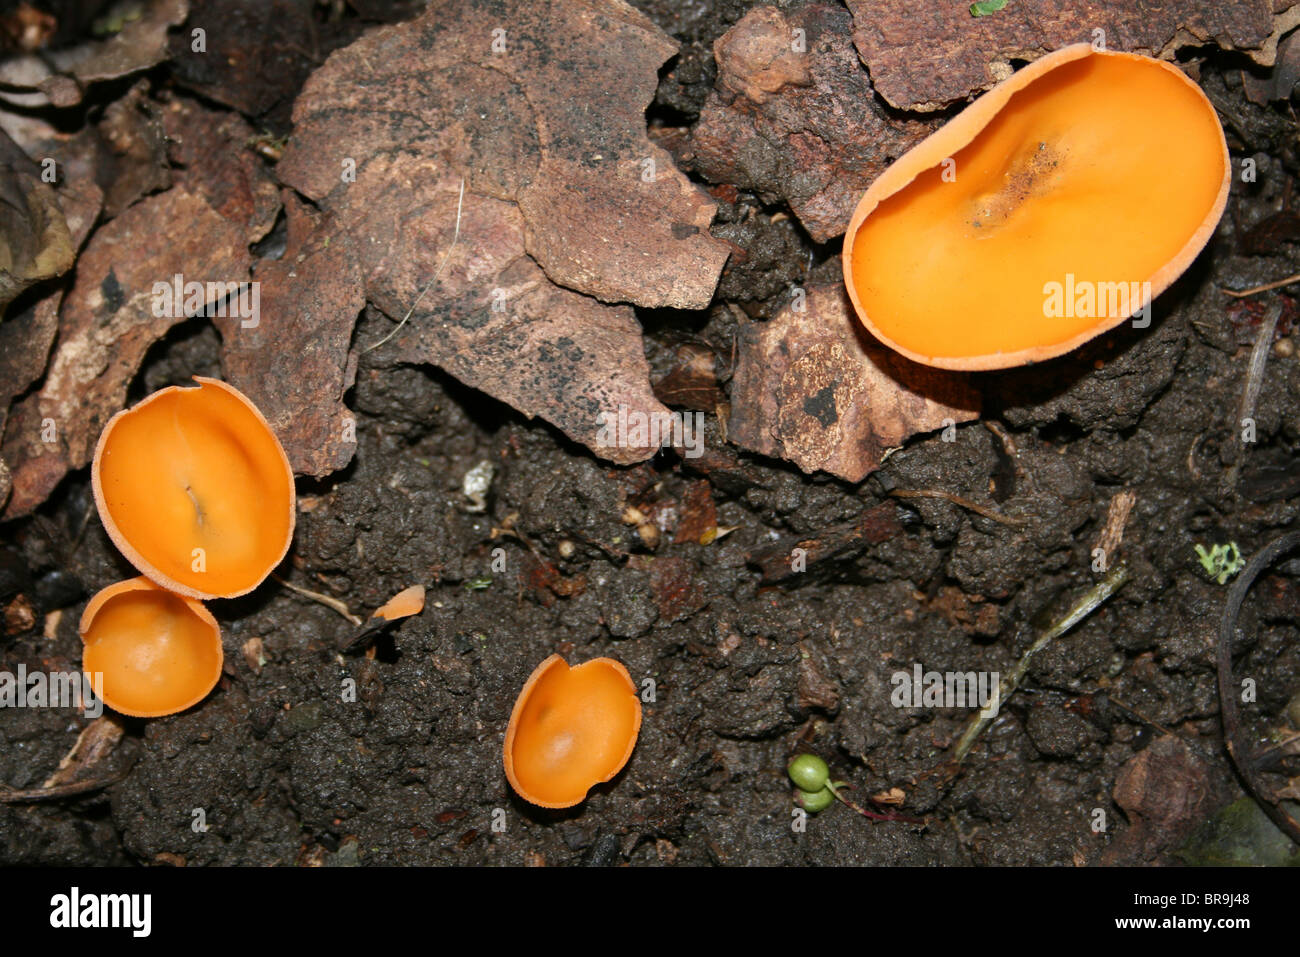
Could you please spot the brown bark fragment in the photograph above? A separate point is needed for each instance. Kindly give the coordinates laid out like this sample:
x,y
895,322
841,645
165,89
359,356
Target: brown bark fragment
x,y
814,388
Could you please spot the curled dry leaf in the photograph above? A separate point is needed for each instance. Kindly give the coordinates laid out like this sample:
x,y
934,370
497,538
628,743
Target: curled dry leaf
x,y
59,77
538,109
93,748
34,239
27,335
925,56
814,388
802,126
106,324
293,362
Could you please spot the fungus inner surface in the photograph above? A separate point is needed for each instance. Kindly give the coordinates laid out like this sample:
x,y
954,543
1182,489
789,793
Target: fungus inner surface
x,y
574,730
1094,175
156,655
185,472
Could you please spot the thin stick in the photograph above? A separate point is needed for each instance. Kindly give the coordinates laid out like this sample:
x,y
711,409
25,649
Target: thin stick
x,y
834,786
1268,286
325,600
428,285
1084,607
958,500
1254,383
8,796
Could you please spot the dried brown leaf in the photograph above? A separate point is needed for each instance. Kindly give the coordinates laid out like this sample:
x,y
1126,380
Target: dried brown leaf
x,y
925,56
814,388
294,363
211,151
548,138
803,127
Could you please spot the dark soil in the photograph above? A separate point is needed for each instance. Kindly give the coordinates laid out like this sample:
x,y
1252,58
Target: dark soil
x,y
746,674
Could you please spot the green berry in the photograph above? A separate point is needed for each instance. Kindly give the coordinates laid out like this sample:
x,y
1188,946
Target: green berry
x,y
809,772
814,801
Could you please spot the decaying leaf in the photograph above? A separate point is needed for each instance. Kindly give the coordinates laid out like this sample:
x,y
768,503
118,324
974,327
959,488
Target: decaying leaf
x,y
692,382
132,151
106,324
211,153
1166,790
698,517
518,102
27,334
925,56
59,77
814,388
34,239
803,126
293,360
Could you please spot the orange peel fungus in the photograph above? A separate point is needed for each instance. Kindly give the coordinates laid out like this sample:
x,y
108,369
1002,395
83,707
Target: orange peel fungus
x,y
1050,210
195,489
571,729
158,652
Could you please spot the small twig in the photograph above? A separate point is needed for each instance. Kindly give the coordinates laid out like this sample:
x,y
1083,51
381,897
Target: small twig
x,y
57,792
958,500
1255,290
325,600
1141,717
1084,607
1232,732
834,788
1254,383
428,285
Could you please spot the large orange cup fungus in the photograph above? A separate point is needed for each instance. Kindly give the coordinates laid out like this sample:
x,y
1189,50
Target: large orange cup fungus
x,y
194,488
158,652
571,729
1049,211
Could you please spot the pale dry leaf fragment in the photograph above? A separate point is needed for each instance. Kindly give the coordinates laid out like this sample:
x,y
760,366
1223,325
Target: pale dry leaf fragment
x,y
812,387
1117,513
96,743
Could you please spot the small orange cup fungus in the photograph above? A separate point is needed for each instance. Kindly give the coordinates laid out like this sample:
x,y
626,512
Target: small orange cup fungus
x,y
159,652
1054,207
571,729
194,488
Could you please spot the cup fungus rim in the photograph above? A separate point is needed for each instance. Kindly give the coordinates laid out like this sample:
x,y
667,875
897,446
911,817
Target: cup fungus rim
x,y
119,538
959,132
144,583
526,692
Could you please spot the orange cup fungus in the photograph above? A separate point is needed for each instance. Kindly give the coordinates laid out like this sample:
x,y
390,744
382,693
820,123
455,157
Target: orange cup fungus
x,y
571,729
158,652
1054,207
194,488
